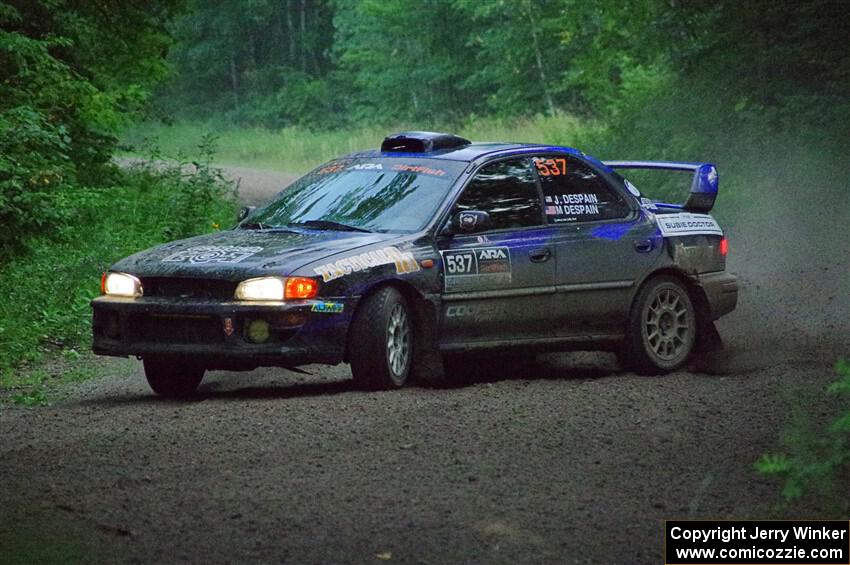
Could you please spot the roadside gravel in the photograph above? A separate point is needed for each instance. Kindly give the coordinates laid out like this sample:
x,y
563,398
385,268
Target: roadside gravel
x,y
566,459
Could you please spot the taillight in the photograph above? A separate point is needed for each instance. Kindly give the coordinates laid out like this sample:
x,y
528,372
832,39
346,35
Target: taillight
x,y
724,246
103,283
300,287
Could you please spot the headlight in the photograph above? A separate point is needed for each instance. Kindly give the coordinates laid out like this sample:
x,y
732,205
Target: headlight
x,y
277,288
264,288
120,284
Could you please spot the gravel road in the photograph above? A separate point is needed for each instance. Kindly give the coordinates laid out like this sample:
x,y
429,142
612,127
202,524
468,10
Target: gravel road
x,y
566,459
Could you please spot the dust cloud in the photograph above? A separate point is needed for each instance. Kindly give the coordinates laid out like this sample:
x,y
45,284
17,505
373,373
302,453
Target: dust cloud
x,y
789,234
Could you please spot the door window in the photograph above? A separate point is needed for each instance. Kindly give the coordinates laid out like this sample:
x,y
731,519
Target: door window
x,y
573,192
507,191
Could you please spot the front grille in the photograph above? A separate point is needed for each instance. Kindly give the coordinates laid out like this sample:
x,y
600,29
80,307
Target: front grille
x,y
188,288
174,328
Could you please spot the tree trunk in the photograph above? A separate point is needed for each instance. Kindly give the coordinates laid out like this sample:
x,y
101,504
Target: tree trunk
x,y
304,35
234,81
278,28
290,30
544,84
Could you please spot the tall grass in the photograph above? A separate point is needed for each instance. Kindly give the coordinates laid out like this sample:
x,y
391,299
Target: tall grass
x,y
297,150
751,152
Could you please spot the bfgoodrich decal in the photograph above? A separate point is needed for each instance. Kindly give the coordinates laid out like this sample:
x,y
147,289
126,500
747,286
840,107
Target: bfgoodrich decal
x,y
685,223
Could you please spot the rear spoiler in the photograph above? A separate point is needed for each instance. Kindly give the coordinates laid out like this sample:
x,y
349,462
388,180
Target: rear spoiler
x,y
703,187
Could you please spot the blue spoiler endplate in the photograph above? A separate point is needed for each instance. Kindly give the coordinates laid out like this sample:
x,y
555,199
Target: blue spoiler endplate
x,y
703,186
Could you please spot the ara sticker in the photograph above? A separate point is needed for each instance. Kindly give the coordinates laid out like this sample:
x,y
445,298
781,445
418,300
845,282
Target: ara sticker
x,y
403,260
328,307
632,188
686,223
366,167
204,254
471,269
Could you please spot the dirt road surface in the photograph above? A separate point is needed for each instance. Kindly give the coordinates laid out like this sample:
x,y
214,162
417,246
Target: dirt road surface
x,y
567,459
255,186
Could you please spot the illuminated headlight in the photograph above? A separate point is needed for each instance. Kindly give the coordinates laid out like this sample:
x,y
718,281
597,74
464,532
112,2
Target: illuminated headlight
x,y
263,288
120,284
277,288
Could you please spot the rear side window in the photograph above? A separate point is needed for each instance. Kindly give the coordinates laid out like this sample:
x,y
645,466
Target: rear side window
x,y
573,192
507,191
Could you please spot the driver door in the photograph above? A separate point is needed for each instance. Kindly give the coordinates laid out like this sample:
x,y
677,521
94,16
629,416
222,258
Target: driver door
x,y
498,279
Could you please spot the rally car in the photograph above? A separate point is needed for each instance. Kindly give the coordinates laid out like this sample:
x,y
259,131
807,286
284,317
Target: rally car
x,y
395,260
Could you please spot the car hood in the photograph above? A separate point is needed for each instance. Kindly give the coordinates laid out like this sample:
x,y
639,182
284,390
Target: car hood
x,y
237,254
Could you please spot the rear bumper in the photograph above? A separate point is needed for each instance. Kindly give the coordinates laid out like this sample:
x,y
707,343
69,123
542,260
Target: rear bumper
x,y
217,333
721,290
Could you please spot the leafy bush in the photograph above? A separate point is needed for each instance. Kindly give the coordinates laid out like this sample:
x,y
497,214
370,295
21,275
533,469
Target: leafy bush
x,y
48,287
33,170
71,73
817,462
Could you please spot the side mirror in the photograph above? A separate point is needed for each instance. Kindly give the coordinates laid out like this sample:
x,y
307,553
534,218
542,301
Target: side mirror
x,y
244,212
470,221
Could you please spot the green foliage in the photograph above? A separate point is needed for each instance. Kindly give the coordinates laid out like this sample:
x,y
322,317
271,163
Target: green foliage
x,y
327,64
48,288
71,72
817,461
38,386
32,397
193,196
389,73
254,61
34,168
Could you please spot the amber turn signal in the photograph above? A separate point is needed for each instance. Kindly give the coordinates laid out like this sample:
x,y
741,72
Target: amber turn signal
x,y
300,287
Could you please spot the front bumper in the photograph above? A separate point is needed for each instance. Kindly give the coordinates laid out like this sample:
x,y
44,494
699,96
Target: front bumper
x,y
721,290
216,332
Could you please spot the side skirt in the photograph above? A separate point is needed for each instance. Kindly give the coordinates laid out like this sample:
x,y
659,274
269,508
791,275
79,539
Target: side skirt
x,y
606,342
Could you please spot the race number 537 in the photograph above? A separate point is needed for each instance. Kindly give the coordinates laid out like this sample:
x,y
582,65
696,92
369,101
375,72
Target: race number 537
x,y
460,263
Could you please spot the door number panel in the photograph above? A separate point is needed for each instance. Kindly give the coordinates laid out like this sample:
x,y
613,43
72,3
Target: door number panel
x,y
485,268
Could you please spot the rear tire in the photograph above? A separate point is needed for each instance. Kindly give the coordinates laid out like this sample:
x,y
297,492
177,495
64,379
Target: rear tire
x,y
381,341
661,330
173,378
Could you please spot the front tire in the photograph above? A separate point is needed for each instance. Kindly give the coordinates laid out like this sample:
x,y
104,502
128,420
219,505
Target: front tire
x,y
173,378
381,341
661,330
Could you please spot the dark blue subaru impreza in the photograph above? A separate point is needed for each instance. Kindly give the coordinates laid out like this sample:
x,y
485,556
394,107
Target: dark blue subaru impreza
x,y
432,247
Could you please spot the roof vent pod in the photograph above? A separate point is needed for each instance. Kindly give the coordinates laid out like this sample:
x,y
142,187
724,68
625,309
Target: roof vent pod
x,y
421,142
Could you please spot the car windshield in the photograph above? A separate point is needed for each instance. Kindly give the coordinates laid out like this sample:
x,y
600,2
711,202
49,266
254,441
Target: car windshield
x,y
385,195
